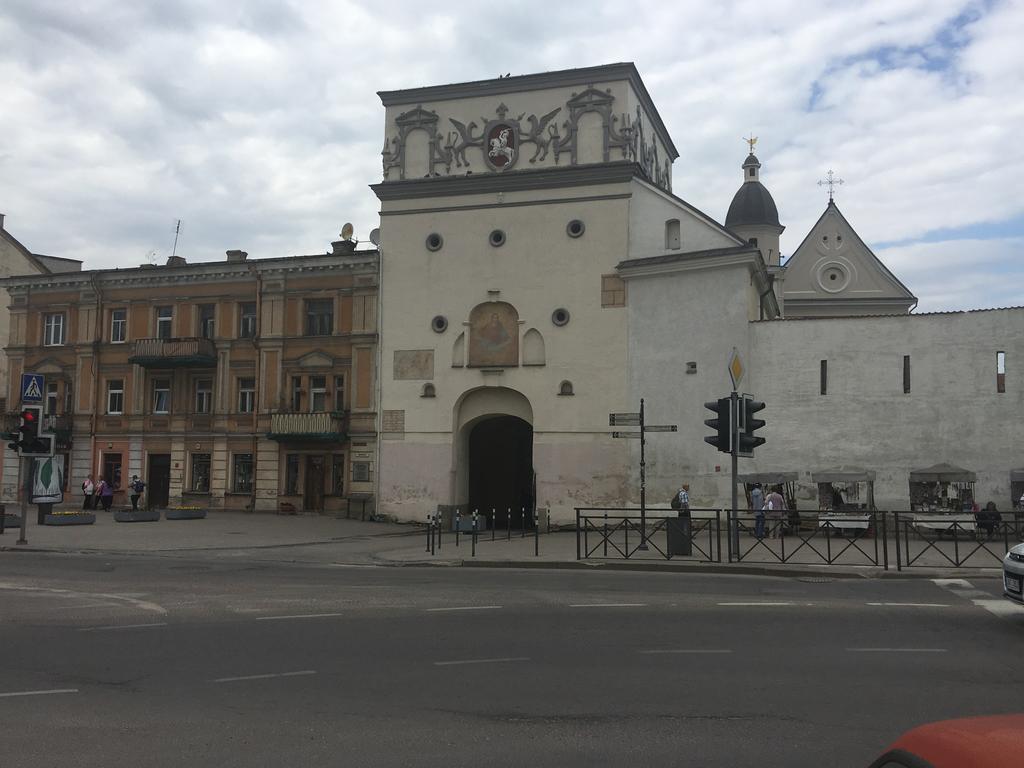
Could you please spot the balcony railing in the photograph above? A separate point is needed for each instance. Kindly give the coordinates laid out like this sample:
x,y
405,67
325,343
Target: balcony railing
x,y
174,353
321,427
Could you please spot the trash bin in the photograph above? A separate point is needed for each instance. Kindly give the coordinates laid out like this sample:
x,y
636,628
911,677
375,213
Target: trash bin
x,y
680,534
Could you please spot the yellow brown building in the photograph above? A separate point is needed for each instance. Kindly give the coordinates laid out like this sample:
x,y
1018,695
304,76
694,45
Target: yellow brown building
x,y
237,384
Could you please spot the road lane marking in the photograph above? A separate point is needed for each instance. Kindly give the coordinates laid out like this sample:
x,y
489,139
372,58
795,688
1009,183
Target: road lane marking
x,y
896,650
1000,606
265,677
688,650
38,693
69,593
915,605
298,616
607,605
464,608
751,604
113,627
479,661
997,606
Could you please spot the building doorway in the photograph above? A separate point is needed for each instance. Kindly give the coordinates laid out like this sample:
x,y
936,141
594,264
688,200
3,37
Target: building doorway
x,y
158,481
313,499
501,470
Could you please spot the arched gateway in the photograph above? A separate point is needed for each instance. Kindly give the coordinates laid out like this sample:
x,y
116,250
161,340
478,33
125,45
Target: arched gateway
x,y
494,454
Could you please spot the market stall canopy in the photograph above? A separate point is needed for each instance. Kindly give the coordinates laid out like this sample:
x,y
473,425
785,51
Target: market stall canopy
x,y
1017,475
768,478
843,474
943,473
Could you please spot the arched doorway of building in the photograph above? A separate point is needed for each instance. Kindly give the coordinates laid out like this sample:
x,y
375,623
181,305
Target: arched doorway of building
x,y
501,478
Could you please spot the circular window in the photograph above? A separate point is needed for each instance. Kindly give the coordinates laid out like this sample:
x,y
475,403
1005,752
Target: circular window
x,y
560,317
575,228
439,324
497,238
833,276
434,242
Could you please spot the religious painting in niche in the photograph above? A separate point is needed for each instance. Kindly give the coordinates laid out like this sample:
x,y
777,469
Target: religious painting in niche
x,y
502,145
493,335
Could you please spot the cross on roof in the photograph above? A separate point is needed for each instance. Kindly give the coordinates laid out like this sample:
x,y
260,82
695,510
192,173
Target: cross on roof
x,y
751,140
831,182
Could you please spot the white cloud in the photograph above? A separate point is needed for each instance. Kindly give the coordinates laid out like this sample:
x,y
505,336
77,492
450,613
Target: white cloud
x,y
259,125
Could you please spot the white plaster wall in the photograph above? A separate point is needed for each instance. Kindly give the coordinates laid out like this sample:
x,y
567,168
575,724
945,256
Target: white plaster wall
x,y
650,208
952,414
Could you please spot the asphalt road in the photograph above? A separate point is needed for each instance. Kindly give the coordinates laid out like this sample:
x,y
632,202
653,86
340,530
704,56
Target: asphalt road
x,y
133,661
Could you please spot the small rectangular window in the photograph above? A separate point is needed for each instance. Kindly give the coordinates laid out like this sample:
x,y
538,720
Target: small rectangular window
x,y
247,320
161,395
824,377
118,326
906,374
339,393
296,394
317,393
291,475
246,395
53,330
319,317
115,397
207,312
204,395
200,473
338,474
1000,372
164,321
242,475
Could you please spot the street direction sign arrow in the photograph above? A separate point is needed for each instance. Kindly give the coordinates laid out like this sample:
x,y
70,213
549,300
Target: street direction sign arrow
x,y
662,428
623,419
626,434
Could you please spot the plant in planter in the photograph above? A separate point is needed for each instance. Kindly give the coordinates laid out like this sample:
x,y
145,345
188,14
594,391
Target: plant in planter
x,y
69,517
137,515
185,512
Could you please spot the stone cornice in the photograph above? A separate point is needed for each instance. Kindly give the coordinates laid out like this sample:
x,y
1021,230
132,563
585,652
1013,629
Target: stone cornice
x,y
509,181
542,81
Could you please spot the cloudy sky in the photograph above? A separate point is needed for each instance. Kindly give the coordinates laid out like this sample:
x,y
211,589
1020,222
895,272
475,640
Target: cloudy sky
x,y
258,125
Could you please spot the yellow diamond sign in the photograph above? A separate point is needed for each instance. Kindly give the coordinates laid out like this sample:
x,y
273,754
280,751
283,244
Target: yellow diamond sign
x,y
735,368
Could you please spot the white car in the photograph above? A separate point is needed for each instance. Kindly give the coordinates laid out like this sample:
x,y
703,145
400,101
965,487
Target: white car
x,y
1013,574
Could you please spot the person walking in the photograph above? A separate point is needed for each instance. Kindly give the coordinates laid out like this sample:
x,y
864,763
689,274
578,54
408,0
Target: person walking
x,y
106,494
776,512
757,504
88,489
137,488
684,498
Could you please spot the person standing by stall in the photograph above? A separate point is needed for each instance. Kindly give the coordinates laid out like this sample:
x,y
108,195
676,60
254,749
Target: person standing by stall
x,y
776,512
757,504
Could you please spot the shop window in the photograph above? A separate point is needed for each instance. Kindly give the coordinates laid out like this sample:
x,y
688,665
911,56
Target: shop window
x,y
1000,372
319,317
317,393
247,320
906,374
115,397
118,326
207,314
164,322
112,469
204,395
53,329
824,377
242,474
291,475
246,395
200,473
161,395
338,474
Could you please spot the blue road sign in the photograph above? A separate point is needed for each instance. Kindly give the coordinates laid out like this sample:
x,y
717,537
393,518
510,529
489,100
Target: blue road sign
x,y
31,387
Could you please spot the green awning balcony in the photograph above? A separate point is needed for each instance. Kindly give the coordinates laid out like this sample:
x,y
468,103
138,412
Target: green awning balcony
x,y
319,427
174,353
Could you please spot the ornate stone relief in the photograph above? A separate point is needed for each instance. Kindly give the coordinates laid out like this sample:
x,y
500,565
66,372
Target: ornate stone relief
x,y
500,141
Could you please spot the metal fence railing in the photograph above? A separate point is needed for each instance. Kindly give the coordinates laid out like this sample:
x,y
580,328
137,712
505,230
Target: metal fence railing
x,y
661,534
860,539
958,540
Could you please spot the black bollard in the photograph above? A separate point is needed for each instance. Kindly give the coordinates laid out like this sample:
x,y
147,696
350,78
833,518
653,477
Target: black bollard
x,y
508,524
494,521
474,533
522,522
458,521
536,535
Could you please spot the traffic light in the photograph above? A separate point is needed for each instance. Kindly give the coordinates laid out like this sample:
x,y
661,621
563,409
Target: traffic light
x,y
748,440
30,440
722,424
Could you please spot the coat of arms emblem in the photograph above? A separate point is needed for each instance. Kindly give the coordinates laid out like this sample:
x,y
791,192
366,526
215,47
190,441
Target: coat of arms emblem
x,y
501,145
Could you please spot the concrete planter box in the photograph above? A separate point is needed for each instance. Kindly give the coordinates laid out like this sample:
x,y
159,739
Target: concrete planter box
x,y
12,521
185,514
79,518
137,516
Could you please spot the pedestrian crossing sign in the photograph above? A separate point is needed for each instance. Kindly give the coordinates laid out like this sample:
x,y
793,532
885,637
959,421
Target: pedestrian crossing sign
x,y
31,388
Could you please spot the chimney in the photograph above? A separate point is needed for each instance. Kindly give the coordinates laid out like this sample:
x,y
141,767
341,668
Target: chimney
x,y
176,261
1,221
236,256
342,247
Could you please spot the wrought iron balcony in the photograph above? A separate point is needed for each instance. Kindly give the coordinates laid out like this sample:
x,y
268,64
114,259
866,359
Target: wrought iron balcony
x,y
174,353
320,427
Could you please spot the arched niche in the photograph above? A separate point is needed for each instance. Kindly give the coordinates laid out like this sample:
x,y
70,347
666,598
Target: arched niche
x,y
493,335
533,348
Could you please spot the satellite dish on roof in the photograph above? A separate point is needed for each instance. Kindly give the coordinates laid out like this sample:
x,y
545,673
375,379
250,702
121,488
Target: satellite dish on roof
x,y
346,232
375,236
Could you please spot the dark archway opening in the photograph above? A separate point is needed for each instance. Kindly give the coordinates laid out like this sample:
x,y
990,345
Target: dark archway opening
x,y
501,471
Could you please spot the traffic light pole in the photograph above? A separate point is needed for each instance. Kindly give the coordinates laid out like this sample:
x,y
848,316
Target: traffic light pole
x,y
24,472
734,536
643,482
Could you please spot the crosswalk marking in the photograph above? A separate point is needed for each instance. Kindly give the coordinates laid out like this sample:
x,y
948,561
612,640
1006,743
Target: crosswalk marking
x,y
997,606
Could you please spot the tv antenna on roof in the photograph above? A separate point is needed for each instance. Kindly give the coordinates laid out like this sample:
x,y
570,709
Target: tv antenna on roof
x,y
177,231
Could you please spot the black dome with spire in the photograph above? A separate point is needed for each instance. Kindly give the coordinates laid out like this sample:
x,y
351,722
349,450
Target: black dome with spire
x,y
752,204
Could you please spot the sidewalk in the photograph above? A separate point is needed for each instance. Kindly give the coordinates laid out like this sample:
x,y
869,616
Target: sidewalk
x,y
324,540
